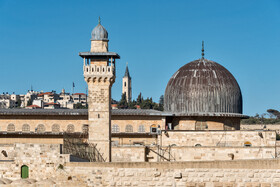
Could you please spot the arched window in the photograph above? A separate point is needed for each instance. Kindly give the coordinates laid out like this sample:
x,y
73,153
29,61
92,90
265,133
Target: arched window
x,y
197,145
124,84
247,144
55,128
25,128
24,172
201,125
41,128
70,128
128,128
141,128
11,127
85,129
115,128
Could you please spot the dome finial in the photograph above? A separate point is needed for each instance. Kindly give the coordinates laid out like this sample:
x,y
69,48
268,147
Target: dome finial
x,y
99,20
202,50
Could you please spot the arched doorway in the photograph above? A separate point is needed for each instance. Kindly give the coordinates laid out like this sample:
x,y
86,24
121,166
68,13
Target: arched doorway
x,y
24,172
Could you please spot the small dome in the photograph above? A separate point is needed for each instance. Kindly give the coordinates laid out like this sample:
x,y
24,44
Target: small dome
x,y
99,33
203,86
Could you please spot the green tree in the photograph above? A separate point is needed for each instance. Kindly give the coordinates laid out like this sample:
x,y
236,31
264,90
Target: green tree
x,y
139,99
132,104
123,102
147,104
18,103
161,103
29,102
274,113
80,106
261,119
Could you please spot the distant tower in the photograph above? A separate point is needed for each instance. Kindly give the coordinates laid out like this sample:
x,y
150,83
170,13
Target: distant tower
x,y
126,87
99,73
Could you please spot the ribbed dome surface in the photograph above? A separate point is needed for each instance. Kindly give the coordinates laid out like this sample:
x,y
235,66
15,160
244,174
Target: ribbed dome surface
x,y
99,33
203,86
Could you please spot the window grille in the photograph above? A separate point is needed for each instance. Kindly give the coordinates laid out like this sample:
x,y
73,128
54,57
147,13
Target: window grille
x,y
141,128
70,128
41,128
55,128
115,128
25,128
85,129
11,128
129,128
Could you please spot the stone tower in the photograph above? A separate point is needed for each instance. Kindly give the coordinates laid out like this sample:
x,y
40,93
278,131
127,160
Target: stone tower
x,y
126,87
99,74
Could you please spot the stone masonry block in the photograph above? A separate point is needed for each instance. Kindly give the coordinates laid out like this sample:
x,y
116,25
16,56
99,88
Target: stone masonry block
x,y
229,184
265,185
218,184
190,184
251,184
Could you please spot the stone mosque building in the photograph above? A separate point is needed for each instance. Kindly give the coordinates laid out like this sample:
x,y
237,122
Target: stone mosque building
x,y
200,121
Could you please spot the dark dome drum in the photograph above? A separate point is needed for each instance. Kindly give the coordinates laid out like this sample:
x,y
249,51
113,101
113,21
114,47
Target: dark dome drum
x,y
203,86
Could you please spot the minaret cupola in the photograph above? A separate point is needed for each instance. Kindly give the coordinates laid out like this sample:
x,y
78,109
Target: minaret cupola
x,y
99,33
99,39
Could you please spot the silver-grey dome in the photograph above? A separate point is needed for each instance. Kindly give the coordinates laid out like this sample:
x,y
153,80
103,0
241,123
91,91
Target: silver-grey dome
x,y
99,33
203,86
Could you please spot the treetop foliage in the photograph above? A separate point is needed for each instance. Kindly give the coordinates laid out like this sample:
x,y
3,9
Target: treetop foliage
x,y
140,101
271,117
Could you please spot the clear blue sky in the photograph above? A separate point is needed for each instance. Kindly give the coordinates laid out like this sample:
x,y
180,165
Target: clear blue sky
x,y
40,41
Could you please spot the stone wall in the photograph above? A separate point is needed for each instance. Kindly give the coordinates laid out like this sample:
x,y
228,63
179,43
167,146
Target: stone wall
x,y
210,153
275,127
218,138
130,140
6,152
180,154
42,160
204,146
38,140
222,173
128,154
213,123
45,163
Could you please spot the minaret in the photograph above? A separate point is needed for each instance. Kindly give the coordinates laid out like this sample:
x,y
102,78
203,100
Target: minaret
x,y
99,74
126,87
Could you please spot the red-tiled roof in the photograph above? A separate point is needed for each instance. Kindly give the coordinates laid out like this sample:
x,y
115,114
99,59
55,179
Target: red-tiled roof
x,y
52,103
46,93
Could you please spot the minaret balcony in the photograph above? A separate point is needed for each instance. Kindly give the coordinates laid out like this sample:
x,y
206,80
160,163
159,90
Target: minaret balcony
x,y
95,70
